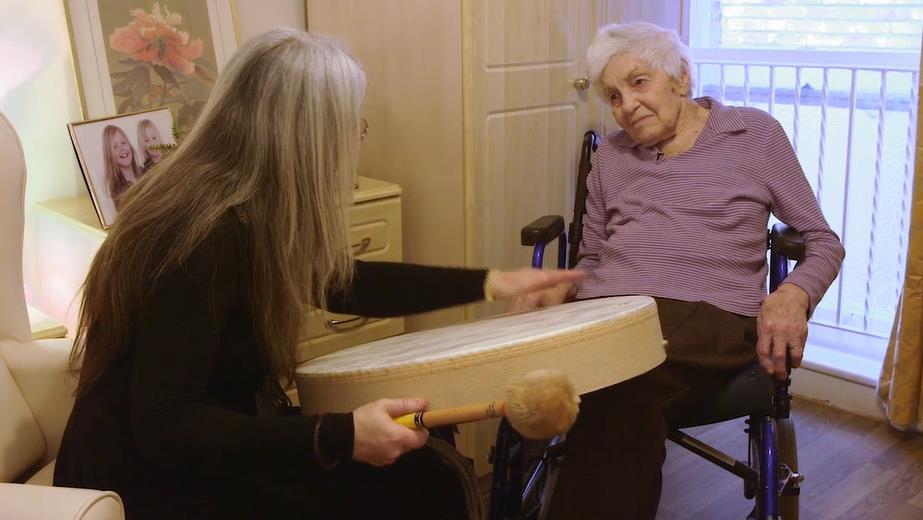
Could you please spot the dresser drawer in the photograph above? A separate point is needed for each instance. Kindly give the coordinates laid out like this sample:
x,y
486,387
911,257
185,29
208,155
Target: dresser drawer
x,y
375,235
375,230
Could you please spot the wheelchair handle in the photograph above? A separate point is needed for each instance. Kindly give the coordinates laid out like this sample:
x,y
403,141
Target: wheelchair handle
x,y
541,230
785,241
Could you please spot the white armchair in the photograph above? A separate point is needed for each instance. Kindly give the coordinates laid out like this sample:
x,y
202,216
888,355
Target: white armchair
x,y
36,396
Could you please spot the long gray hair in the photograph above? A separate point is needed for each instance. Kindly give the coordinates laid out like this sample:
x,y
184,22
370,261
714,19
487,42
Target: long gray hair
x,y
277,143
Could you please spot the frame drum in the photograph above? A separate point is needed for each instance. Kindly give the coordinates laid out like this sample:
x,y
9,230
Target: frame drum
x,y
597,343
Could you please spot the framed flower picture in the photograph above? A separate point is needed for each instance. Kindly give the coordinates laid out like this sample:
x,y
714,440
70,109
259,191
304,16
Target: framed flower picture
x,y
139,54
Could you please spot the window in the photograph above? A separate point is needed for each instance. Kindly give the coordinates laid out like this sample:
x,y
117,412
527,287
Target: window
x,y
841,76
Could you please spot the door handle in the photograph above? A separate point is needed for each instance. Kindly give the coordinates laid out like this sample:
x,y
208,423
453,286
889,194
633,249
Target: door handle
x,y
581,83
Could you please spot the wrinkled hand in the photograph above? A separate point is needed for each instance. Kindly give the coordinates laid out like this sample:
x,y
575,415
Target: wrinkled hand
x,y
782,326
508,284
379,440
545,298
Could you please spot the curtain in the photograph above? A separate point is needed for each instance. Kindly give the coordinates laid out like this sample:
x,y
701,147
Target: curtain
x,y
900,387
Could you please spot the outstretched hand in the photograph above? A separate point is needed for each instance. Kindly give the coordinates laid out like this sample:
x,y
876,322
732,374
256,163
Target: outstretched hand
x,y
545,298
379,440
782,326
509,284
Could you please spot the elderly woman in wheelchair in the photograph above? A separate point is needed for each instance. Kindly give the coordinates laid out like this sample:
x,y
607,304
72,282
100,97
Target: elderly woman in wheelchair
x,y
677,204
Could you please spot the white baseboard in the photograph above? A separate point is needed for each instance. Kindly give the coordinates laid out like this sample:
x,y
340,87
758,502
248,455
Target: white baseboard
x,y
855,397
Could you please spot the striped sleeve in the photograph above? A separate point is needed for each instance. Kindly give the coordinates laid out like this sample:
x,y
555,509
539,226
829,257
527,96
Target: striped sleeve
x,y
793,202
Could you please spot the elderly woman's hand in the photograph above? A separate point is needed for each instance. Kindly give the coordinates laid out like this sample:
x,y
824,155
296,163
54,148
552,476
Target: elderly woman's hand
x,y
782,326
545,298
509,284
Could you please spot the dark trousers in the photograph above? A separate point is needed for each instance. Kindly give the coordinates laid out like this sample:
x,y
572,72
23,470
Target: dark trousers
x,y
434,482
616,448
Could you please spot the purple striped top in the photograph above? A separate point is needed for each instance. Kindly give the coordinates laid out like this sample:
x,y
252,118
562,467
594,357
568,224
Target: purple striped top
x,y
693,227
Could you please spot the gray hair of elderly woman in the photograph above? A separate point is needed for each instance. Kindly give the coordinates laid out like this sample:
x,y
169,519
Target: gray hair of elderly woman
x,y
658,47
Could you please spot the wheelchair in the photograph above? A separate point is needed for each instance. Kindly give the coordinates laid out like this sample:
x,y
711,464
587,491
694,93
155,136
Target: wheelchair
x,y
770,473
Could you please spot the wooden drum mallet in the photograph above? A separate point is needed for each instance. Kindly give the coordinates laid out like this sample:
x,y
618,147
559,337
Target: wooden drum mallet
x,y
539,405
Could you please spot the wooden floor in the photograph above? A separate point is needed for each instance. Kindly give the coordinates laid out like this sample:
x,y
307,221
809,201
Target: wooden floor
x,y
854,467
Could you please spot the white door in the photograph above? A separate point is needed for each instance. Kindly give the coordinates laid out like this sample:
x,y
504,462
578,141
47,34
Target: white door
x,y
524,118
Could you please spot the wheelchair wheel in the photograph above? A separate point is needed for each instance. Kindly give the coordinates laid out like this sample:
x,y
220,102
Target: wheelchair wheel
x,y
534,490
788,455
468,491
540,480
753,459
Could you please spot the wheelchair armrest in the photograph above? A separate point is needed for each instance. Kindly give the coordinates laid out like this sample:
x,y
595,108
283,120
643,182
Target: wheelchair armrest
x,y
785,240
542,230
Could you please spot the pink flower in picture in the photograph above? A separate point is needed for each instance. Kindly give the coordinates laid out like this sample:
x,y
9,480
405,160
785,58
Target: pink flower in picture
x,y
155,38
154,62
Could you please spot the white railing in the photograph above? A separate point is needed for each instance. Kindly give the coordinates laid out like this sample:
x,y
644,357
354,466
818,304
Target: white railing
x,y
851,118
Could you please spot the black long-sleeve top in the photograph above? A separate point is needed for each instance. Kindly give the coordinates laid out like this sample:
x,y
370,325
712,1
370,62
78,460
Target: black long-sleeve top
x,y
173,425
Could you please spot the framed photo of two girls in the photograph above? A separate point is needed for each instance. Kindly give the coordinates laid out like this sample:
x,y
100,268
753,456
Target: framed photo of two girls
x,y
116,152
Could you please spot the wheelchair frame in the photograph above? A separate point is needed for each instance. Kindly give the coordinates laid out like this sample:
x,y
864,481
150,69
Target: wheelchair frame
x,y
770,473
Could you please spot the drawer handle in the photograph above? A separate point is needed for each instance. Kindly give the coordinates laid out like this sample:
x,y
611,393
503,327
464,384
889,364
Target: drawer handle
x,y
346,325
362,246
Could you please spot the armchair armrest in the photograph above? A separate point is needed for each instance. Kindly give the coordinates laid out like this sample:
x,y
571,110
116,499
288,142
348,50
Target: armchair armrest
x,y
40,371
27,502
542,230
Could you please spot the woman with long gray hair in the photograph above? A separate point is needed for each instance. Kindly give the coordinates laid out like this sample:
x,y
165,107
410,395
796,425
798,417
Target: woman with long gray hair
x,y
195,302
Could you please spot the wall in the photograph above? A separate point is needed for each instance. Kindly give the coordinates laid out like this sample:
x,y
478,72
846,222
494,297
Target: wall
x,y
669,14
38,93
256,16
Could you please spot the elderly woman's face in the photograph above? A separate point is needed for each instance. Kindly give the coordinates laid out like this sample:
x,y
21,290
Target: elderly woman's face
x,y
646,102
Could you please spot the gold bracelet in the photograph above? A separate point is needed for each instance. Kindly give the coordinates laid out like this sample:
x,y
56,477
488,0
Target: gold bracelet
x,y
489,287
324,464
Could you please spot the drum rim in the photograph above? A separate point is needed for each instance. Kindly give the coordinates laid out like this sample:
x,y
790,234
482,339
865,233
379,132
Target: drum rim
x,y
466,360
